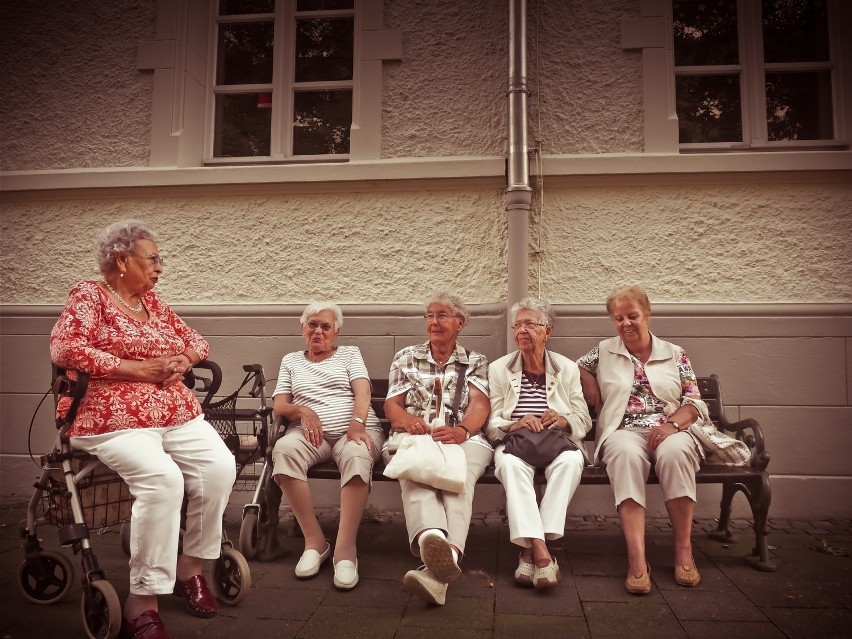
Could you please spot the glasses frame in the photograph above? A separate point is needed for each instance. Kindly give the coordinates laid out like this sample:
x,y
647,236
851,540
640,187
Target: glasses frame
x,y
318,325
441,317
530,326
154,259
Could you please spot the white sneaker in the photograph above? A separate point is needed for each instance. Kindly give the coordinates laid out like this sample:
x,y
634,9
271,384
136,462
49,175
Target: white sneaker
x,y
437,554
422,583
345,574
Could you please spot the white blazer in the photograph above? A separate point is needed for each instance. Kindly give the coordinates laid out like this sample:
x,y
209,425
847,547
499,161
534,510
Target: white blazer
x,y
564,395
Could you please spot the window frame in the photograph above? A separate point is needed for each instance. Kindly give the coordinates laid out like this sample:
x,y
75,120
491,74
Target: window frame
x,y
752,73
284,20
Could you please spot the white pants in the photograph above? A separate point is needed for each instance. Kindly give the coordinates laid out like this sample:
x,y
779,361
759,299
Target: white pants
x,y
528,520
159,465
427,507
628,462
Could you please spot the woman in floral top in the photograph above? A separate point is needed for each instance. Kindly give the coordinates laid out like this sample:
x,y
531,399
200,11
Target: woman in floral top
x,y
147,426
646,397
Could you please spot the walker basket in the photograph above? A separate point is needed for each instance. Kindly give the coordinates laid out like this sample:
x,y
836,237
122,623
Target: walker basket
x,y
104,497
222,415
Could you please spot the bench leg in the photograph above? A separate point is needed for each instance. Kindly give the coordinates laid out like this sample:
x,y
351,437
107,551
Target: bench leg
x,y
723,530
759,501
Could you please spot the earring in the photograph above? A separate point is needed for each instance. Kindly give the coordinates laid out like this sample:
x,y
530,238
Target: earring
x,y
121,274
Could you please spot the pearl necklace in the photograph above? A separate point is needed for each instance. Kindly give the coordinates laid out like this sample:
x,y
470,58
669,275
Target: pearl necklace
x,y
121,300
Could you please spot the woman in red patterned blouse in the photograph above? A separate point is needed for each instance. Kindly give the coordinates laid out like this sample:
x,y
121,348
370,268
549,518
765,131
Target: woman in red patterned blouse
x,y
142,422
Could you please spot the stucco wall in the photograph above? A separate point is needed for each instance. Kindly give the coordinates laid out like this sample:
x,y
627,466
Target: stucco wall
x,y
585,91
353,247
72,96
723,243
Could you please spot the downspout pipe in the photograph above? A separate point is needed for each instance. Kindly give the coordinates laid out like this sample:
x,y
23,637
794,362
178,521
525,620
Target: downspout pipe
x,y
518,192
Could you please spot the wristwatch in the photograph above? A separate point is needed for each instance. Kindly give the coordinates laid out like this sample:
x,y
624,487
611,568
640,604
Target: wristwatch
x,y
675,424
359,420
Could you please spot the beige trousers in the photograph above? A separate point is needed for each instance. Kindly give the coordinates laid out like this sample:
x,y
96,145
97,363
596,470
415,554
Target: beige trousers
x,y
427,507
628,461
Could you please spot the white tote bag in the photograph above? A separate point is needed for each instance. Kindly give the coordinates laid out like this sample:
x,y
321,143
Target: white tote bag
x,y
420,458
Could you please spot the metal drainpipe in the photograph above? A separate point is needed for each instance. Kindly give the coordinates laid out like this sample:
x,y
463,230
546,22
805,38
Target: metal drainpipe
x,y
518,190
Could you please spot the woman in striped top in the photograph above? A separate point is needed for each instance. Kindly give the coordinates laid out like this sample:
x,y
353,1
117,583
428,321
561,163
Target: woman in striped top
x,y
535,388
324,394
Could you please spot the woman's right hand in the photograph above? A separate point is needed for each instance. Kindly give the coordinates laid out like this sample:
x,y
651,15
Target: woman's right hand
x,y
164,370
311,425
591,390
530,422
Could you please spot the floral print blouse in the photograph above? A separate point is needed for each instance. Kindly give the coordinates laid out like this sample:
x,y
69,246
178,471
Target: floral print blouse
x,y
92,335
644,409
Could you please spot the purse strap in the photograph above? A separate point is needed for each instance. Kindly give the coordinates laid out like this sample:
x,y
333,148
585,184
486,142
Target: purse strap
x,y
460,368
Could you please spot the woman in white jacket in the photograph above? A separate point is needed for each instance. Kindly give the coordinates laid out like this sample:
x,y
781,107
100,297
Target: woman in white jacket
x,y
534,388
649,412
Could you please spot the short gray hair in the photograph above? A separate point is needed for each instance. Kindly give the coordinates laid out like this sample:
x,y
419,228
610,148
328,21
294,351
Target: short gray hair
x,y
448,299
318,307
117,239
544,310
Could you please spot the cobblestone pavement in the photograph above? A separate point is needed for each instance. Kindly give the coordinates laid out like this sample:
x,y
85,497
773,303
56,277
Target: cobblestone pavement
x,y
810,594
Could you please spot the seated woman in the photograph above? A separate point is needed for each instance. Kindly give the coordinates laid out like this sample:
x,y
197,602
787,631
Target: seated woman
x,y
438,520
147,426
324,392
649,411
535,388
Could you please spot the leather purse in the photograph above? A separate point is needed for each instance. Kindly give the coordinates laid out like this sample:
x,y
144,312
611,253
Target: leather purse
x,y
538,449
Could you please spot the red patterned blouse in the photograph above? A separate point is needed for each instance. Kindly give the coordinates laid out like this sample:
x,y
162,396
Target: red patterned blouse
x,y
93,335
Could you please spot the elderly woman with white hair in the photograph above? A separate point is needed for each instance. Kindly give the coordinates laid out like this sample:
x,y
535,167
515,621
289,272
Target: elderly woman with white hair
x,y
142,422
324,394
438,520
535,389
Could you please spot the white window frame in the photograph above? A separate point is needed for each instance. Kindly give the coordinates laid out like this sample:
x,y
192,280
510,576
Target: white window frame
x,y
283,86
751,70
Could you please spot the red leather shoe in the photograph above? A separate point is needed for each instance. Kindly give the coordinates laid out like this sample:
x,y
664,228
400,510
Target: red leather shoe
x,y
148,625
199,600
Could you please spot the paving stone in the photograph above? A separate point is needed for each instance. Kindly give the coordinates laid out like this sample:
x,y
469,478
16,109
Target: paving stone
x,y
647,619
806,624
715,629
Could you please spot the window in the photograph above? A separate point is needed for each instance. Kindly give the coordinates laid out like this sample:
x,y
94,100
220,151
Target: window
x,y
755,73
283,80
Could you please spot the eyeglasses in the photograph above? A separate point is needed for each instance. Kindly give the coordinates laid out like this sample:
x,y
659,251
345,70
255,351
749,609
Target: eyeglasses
x,y
530,326
441,317
155,259
324,326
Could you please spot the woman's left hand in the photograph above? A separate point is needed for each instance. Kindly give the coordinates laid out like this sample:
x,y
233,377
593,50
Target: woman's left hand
x,y
357,433
449,435
659,433
551,418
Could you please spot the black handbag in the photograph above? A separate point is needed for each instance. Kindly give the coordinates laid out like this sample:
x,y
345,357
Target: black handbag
x,y
538,449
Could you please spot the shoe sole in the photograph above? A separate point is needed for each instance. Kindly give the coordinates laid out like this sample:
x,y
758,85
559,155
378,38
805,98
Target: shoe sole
x,y
438,558
416,587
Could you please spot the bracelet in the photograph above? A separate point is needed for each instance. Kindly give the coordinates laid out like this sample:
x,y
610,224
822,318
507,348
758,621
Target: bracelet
x,y
188,359
676,425
467,432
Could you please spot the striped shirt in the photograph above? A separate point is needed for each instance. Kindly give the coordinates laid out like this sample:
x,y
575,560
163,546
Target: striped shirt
x,y
532,399
325,387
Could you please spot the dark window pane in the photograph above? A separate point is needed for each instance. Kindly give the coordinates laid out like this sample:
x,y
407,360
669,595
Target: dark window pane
x,y
705,32
795,31
798,106
242,125
237,7
708,108
323,5
321,122
324,49
245,53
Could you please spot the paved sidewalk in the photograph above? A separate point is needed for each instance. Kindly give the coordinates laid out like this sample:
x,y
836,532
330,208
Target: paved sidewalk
x,y
810,595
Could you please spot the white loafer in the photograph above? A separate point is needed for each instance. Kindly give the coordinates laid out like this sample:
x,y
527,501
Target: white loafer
x,y
345,574
310,562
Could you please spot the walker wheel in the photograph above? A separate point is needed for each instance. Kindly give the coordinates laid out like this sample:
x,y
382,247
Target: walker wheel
x,y
231,577
101,611
47,579
249,536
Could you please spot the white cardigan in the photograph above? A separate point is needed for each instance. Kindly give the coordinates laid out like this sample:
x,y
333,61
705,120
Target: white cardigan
x,y
564,395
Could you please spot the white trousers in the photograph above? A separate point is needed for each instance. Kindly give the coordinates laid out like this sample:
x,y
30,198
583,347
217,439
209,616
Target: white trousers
x,y
427,507
527,519
628,462
159,465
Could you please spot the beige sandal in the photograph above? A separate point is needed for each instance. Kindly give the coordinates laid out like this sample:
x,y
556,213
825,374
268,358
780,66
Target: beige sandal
x,y
639,584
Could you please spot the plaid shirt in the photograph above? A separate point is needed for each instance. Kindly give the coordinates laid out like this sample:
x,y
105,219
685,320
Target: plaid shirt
x,y
414,370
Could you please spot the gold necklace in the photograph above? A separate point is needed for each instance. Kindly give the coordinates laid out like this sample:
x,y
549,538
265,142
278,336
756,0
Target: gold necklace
x,y
135,309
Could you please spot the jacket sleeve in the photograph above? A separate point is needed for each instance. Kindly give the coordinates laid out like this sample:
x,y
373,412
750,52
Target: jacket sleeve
x,y
498,382
578,418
